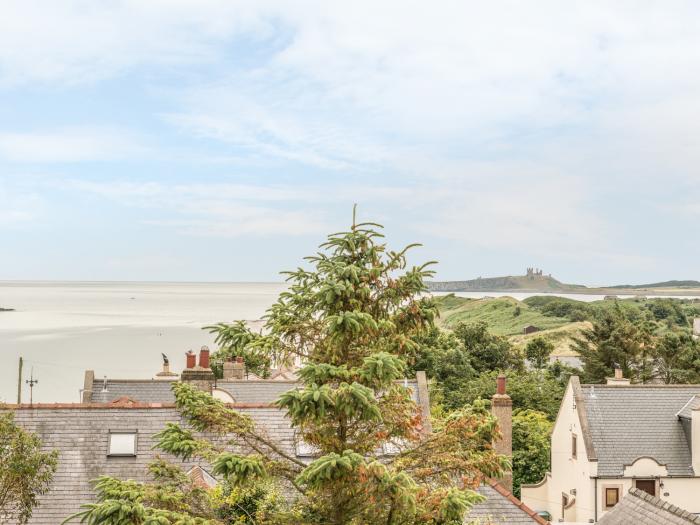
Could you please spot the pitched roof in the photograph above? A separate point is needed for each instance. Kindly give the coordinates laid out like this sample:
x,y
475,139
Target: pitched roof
x,y
159,391
81,435
640,508
501,508
626,422
687,411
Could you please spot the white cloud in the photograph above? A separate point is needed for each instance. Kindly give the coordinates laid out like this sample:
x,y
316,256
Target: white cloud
x,y
73,144
216,210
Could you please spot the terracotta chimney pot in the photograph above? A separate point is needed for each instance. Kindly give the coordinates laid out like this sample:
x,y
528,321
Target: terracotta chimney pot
x,y
501,385
204,357
191,359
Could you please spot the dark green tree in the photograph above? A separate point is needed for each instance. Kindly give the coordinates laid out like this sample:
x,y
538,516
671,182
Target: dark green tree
x,y
534,390
677,358
25,471
615,341
531,447
486,351
537,352
353,319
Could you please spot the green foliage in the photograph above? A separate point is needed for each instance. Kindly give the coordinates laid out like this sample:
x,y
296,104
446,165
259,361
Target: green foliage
x,y
677,358
615,341
560,307
25,471
534,390
237,340
486,351
537,352
531,447
355,318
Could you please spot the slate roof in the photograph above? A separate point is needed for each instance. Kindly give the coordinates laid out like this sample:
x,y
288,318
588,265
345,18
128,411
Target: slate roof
x,y
501,508
627,422
81,434
640,508
159,391
687,411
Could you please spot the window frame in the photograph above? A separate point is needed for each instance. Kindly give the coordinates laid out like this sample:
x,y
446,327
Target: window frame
x,y
111,454
617,496
574,446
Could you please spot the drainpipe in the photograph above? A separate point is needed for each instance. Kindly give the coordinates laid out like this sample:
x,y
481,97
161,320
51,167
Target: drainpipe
x,y
595,500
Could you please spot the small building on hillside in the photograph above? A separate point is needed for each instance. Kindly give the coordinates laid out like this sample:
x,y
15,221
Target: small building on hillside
x,y
696,327
608,439
530,329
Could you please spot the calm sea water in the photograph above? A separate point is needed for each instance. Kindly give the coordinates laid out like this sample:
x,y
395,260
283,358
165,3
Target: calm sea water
x,y
118,329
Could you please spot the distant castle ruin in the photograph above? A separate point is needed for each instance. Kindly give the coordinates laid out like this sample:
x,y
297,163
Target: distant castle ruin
x,y
533,272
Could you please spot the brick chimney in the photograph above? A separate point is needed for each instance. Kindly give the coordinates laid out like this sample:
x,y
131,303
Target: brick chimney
x,y
200,376
502,409
619,379
234,370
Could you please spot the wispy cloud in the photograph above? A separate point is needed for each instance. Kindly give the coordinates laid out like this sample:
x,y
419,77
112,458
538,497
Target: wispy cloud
x,y
71,144
216,210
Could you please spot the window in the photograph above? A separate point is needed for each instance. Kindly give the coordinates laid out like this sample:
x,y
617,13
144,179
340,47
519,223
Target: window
x,y
612,496
647,485
573,446
122,444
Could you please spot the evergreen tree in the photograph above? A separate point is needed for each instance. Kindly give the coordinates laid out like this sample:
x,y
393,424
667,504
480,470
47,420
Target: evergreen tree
x,y
352,319
616,341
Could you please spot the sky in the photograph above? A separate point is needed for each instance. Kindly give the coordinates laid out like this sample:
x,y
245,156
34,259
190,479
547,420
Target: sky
x,y
207,140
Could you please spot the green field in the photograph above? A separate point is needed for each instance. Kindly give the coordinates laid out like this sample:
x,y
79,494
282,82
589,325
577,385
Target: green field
x,y
503,315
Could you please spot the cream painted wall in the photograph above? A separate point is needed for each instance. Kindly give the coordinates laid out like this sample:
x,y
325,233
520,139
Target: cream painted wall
x,y
568,474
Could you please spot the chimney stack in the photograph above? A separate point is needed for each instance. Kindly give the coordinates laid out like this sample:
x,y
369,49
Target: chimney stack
x,y
200,376
234,370
619,379
502,409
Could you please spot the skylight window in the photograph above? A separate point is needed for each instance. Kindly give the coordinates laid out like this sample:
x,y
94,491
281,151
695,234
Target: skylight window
x,y
122,444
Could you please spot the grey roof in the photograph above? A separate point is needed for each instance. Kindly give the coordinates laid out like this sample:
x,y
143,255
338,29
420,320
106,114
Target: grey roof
x,y
632,421
499,509
81,435
640,508
687,410
159,391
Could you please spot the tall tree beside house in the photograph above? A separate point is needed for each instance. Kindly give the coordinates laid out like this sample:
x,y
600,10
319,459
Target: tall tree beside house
x,y
531,447
677,358
616,341
353,319
25,471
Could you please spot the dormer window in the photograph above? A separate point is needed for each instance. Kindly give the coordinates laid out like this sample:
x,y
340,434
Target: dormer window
x,y
122,443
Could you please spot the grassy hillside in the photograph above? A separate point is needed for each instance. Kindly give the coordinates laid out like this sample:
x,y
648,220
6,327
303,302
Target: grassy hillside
x,y
530,283
504,315
548,284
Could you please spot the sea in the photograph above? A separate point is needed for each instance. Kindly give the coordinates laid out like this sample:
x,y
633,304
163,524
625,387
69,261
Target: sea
x,y
120,329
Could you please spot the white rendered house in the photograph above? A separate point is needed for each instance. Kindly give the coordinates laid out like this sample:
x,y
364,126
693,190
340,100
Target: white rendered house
x,y
610,438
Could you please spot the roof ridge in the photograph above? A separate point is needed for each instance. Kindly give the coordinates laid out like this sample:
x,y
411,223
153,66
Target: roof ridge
x,y
119,403
664,505
516,502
